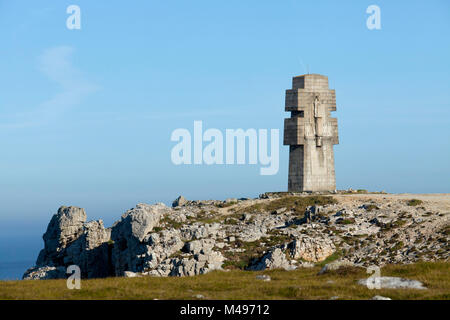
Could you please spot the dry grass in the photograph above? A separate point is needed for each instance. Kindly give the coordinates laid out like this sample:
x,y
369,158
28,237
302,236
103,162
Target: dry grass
x,y
239,285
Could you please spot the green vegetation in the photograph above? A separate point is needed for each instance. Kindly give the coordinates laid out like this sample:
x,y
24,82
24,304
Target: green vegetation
x,y
333,257
171,223
446,230
226,204
399,223
346,221
297,204
370,207
399,245
236,284
252,250
208,218
414,202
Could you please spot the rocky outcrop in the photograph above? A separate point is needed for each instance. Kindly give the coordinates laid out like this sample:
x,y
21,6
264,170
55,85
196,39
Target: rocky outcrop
x,y
44,273
275,259
64,228
277,231
311,249
70,240
178,202
200,264
131,234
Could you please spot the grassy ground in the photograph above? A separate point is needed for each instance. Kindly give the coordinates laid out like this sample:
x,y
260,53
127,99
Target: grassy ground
x,y
240,285
297,204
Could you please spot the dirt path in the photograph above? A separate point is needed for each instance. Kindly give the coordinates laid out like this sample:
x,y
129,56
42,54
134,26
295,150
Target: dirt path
x,y
435,201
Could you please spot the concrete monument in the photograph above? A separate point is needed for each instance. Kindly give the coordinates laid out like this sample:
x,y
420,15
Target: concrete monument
x,y
311,133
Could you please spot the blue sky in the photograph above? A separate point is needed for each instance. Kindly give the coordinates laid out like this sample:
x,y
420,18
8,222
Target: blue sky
x,y
86,115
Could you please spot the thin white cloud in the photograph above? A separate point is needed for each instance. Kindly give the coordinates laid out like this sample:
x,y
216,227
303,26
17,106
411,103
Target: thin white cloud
x,y
56,64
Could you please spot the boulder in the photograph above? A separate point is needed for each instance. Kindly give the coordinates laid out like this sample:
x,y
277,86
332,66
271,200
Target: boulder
x,y
311,249
130,274
91,251
160,246
274,259
332,266
199,246
252,232
129,235
201,264
380,298
69,240
178,202
65,227
197,231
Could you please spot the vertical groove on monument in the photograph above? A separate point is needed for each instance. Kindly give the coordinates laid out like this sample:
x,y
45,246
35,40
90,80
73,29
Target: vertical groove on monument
x,y
311,133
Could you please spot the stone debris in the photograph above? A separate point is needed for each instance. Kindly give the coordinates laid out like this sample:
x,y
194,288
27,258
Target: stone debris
x,y
275,259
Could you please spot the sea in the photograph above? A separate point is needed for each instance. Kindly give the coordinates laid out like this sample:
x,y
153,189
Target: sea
x,y
20,244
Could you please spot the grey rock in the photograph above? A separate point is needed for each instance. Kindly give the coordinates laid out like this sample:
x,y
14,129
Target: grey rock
x,y
184,242
129,234
159,247
90,251
274,259
263,277
45,273
281,210
252,233
392,283
178,202
201,264
199,231
69,240
130,274
199,246
311,249
332,266
380,298
65,227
